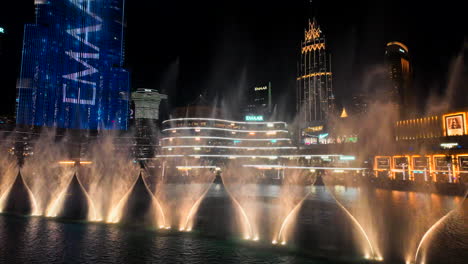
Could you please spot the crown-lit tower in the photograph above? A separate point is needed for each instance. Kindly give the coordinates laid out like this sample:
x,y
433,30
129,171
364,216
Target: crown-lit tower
x,y
315,98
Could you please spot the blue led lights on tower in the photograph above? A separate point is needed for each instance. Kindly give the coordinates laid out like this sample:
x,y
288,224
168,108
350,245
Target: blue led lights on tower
x,y
71,73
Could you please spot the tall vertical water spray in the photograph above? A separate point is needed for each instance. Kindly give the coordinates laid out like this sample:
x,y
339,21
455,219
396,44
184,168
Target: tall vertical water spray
x,y
294,191
8,170
242,185
362,217
108,179
179,193
47,175
420,255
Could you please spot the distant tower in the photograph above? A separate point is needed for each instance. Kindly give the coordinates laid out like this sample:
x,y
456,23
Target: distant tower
x,y
259,101
397,60
315,98
146,114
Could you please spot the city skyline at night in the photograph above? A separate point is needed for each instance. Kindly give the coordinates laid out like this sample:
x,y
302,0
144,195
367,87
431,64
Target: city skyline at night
x,y
304,131
245,43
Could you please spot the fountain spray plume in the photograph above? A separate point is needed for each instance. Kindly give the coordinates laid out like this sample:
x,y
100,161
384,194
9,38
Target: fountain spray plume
x,y
375,130
454,96
197,184
109,178
46,175
294,191
431,230
361,216
242,185
8,169
179,192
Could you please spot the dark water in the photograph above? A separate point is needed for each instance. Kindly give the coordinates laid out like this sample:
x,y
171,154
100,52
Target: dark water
x,y
323,234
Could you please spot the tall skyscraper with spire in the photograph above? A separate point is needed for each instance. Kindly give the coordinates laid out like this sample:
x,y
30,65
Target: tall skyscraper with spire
x,y
72,72
315,99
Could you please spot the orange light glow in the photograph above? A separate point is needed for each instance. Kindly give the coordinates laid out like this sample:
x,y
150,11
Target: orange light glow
x,y
67,162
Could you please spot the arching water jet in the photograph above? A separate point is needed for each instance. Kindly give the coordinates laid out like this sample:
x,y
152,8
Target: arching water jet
x,y
13,199
373,254
188,224
433,228
241,185
280,236
289,202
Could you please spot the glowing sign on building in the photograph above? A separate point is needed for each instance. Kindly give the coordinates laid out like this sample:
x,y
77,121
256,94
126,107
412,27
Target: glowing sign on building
x,y
455,124
254,118
449,145
347,158
261,88
382,163
314,129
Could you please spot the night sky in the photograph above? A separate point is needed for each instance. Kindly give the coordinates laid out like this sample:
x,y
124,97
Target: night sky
x,y
219,48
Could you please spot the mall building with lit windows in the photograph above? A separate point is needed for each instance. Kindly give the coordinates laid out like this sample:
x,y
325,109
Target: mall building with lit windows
x,y
429,149
196,141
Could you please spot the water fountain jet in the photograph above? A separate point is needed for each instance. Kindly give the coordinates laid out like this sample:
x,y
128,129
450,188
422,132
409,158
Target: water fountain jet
x,y
289,203
374,253
433,228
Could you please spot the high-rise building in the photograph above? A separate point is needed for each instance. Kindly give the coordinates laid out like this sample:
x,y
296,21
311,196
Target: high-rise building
x,y
72,72
2,35
315,99
398,63
146,115
359,104
259,101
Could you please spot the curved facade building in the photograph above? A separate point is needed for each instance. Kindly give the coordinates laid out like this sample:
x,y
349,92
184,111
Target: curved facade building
x,y
219,138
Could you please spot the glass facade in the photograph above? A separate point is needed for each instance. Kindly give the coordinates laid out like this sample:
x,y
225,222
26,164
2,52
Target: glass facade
x,y
71,73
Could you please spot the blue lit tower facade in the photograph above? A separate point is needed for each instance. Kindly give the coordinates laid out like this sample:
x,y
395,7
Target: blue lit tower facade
x,y
71,73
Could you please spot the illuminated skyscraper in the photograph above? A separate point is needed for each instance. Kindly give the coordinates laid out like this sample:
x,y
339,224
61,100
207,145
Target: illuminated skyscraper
x,y
397,60
71,74
315,99
259,101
